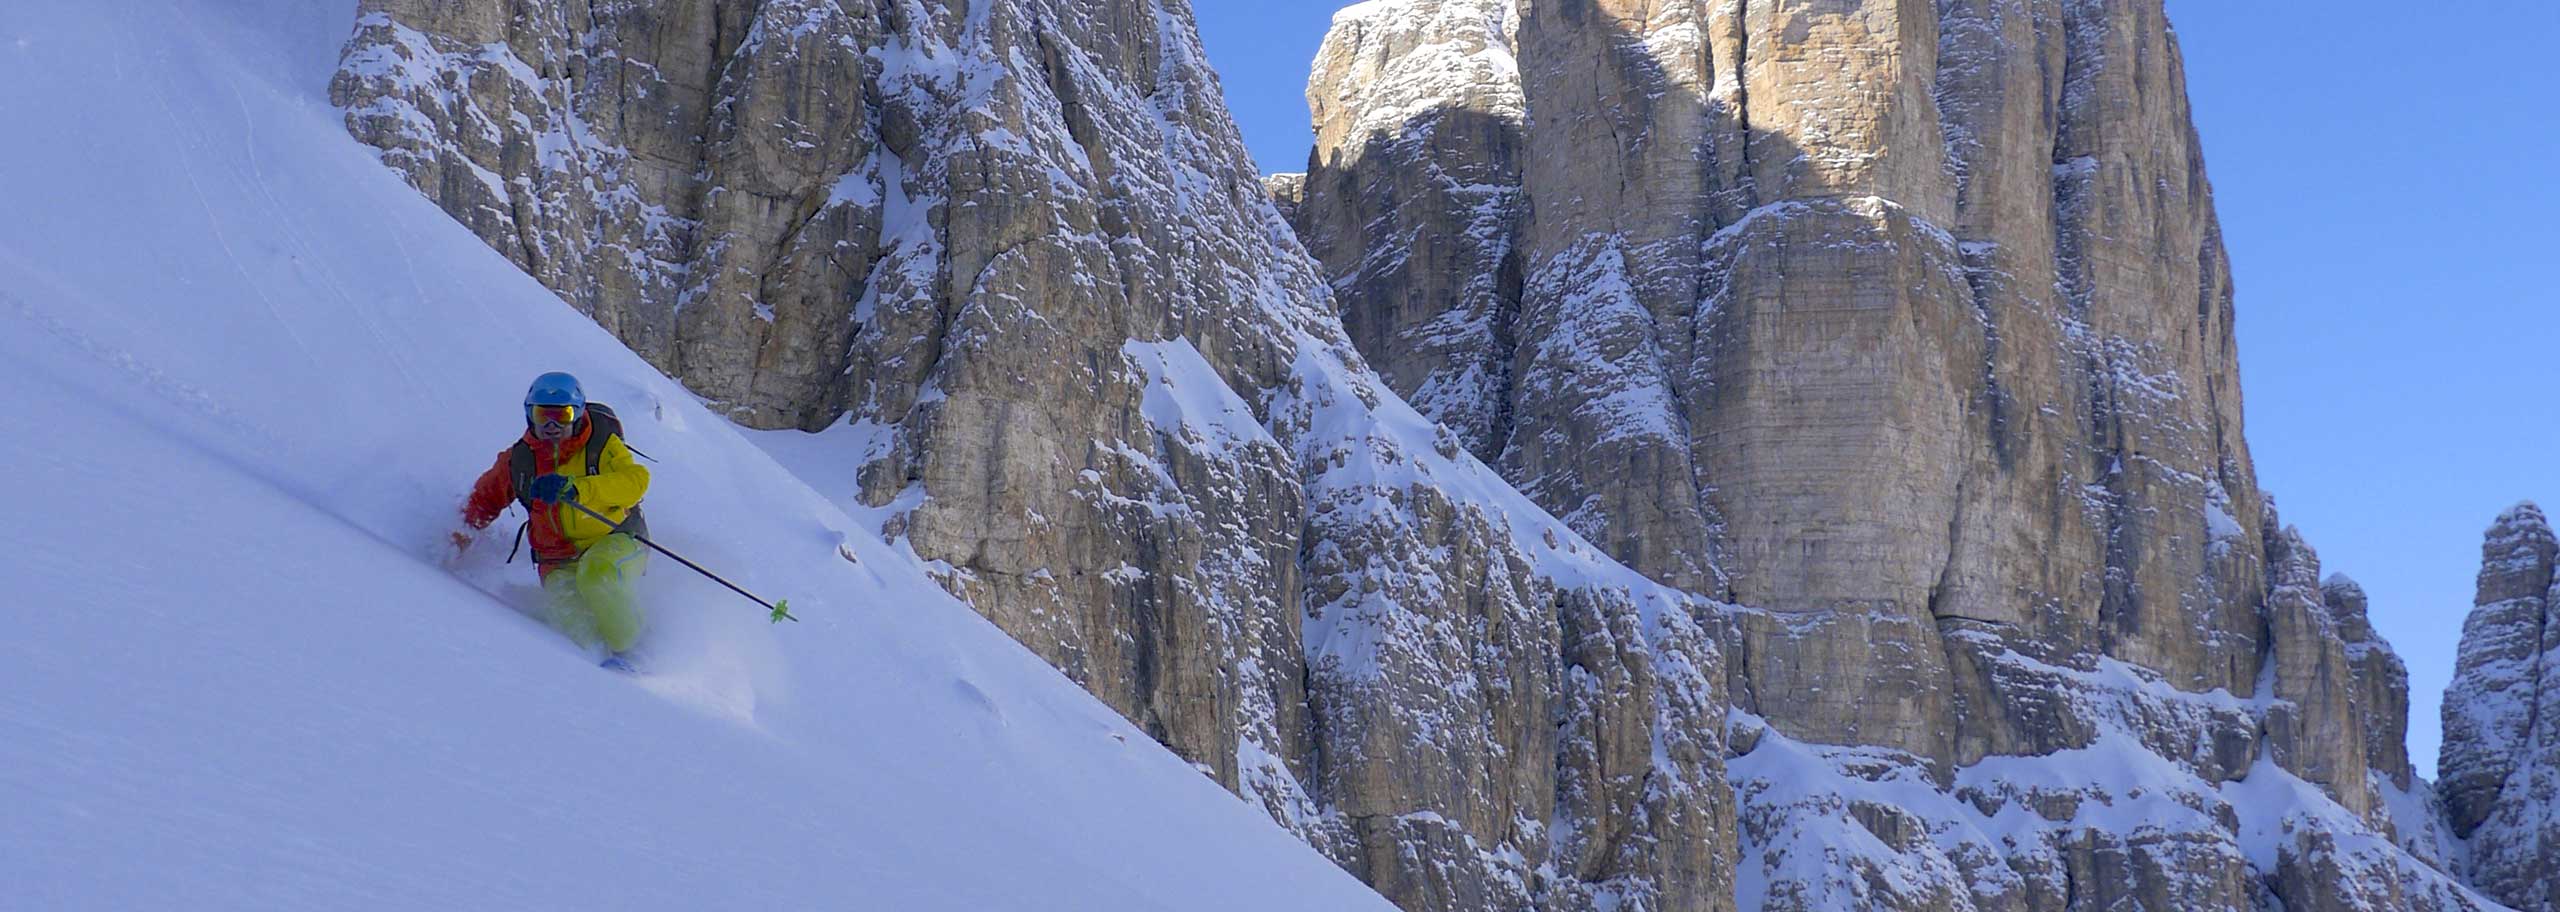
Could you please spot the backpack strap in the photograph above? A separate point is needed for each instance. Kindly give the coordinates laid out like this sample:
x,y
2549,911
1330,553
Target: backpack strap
x,y
520,467
603,426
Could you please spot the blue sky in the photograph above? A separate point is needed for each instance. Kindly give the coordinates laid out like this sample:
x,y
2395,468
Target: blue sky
x,y
2387,188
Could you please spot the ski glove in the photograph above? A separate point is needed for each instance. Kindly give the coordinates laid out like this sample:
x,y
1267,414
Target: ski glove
x,y
553,489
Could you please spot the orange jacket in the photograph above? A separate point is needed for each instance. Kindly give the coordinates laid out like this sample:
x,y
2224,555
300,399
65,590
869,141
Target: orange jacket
x,y
560,532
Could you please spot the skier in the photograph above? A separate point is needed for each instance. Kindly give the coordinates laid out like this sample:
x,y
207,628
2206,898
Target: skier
x,y
572,454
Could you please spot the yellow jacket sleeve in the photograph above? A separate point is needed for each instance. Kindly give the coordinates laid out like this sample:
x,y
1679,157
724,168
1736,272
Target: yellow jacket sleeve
x,y
619,482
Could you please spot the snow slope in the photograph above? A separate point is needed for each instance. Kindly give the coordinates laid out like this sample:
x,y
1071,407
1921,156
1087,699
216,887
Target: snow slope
x,y
248,374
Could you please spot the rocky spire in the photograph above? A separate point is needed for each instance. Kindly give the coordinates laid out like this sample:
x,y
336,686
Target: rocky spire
x,y
2317,727
2500,767
2381,681
1420,121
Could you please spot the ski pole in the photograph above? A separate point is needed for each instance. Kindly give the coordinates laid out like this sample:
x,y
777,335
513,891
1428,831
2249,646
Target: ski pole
x,y
781,610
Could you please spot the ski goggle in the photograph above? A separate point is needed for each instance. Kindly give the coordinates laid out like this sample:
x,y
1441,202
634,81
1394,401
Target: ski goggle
x,y
565,414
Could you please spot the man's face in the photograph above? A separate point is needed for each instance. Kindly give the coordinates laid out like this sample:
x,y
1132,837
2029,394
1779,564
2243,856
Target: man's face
x,y
552,424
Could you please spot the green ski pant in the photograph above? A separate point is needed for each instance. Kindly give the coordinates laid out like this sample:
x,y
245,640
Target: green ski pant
x,y
591,597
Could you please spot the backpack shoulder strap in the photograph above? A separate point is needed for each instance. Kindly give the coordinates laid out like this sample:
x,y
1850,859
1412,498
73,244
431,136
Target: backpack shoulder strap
x,y
603,426
520,467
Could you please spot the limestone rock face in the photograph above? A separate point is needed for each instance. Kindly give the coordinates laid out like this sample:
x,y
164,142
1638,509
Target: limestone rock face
x,y
1904,329
670,168
2316,728
1927,292
2381,681
2501,759
1013,258
1418,109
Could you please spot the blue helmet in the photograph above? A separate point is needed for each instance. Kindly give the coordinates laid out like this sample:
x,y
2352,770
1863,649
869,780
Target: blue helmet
x,y
556,388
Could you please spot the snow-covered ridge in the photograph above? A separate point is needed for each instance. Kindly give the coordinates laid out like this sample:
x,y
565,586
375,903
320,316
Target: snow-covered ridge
x,y
252,373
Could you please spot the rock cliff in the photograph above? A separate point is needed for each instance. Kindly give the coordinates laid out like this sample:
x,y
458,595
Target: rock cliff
x,y
2501,758
1013,258
1826,490
1906,330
